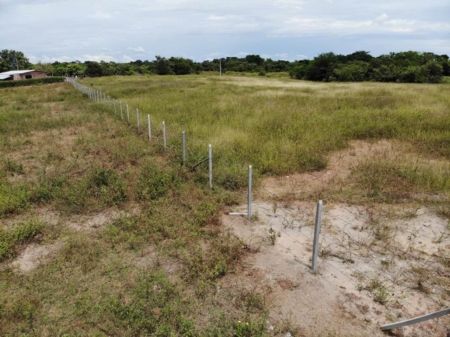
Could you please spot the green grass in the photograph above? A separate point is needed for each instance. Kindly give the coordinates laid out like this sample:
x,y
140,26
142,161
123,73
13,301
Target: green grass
x,y
156,268
70,157
283,129
20,234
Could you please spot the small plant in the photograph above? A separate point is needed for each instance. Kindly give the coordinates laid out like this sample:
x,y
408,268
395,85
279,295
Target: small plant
x,y
20,234
378,290
12,198
153,182
272,236
13,167
250,329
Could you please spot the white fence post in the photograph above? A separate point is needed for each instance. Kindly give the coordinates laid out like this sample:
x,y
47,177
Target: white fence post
x,y
183,145
138,119
149,128
317,225
164,135
249,195
210,165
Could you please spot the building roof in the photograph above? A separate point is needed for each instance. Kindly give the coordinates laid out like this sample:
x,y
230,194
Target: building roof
x,y
6,74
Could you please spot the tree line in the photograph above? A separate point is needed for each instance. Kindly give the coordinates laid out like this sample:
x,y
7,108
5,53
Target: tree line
x,y
408,66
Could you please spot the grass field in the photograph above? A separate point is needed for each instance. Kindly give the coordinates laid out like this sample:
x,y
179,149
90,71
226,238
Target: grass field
x,y
282,126
132,241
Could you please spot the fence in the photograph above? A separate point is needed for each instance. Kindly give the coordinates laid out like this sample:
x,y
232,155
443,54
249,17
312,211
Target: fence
x,y
119,107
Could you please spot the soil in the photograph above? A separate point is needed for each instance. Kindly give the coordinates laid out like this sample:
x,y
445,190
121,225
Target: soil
x,y
378,263
34,255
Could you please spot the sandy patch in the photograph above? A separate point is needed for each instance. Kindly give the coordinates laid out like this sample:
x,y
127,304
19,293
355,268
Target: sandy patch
x,y
339,168
99,220
35,255
362,282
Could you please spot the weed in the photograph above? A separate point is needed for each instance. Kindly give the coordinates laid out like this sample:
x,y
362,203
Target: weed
x,y
99,188
379,291
272,236
13,167
154,182
19,234
13,199
154,309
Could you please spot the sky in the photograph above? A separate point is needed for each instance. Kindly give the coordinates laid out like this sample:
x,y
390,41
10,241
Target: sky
x,y
119,30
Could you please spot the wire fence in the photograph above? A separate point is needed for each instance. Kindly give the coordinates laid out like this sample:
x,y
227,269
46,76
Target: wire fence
x,y
122,110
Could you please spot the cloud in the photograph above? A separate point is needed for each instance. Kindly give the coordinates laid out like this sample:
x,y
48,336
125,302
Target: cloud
x,y
139,49
118,30
101,15
381,24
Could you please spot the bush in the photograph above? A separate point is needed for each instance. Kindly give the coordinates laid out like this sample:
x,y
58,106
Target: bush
x,y
100,188
354,71
154,183
33,81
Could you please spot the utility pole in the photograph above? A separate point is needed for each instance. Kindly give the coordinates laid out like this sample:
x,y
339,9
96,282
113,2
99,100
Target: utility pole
x,y
15,61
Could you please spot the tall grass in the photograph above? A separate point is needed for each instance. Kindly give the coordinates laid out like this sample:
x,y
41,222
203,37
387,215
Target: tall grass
x,y
284,129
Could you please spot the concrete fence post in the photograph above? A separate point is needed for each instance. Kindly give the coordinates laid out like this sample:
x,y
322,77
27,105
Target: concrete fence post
x,y
210,165
138,120
183,146
249,192
164,135
317,225
149,124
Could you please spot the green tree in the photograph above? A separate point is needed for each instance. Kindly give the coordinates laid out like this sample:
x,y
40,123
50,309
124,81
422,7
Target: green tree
x,y
12,60
354,71
181,66
93,69
433,71
322,67
162,66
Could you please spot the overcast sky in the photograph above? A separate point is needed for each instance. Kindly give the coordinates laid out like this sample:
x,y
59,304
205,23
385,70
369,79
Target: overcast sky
x,y
120,30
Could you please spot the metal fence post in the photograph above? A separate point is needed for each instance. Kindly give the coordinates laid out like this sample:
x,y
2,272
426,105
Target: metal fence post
x,y
210,165
249,195
138,119
317,225
183,141
149,128
164,134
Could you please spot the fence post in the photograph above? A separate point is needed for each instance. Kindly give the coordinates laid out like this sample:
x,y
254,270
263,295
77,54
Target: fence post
x,y
249,195
317,225
149,128
164,134
138,119
210,165
121,110
183,145
128,115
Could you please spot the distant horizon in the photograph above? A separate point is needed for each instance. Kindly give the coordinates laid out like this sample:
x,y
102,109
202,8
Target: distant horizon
x,y
230,56
123,31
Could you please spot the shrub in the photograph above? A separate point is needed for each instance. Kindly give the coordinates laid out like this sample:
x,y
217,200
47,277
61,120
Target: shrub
x,y
100,187
354,71
154,183
33,81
